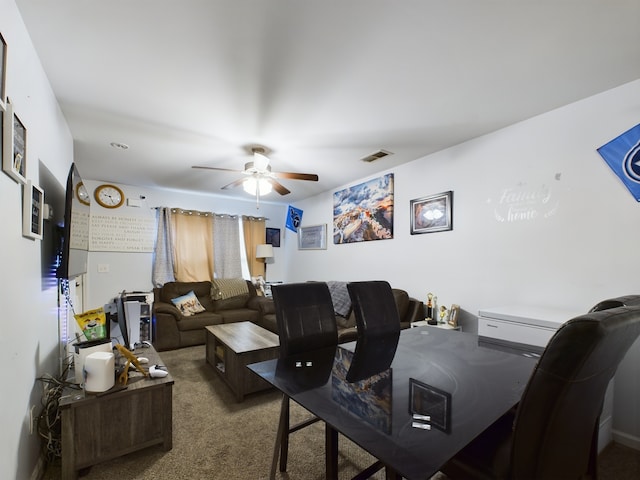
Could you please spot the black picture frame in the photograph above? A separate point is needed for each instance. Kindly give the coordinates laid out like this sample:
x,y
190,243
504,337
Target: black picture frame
x,y
273,237
428,401
433,213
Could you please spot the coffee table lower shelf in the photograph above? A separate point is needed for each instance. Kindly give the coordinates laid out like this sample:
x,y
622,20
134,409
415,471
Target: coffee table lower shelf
x,y
231,347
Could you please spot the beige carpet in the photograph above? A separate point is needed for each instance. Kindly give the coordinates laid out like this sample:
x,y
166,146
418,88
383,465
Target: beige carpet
x,y
214,437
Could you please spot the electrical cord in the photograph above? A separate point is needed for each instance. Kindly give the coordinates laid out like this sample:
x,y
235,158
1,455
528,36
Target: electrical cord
x,y
49,425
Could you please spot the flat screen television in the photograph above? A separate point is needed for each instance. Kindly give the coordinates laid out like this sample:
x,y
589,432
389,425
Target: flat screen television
x,y
74,245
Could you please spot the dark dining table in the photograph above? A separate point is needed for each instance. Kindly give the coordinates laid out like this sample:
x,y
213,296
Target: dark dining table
x,y
414,409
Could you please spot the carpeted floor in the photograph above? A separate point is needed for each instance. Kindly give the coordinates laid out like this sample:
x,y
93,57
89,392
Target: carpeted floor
x,y
214,437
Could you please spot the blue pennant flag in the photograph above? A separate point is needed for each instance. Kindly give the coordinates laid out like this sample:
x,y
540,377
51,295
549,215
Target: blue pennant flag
x,y
294,218
622,154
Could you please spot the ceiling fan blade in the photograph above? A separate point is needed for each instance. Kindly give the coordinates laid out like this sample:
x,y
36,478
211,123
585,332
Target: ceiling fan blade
x,y
296,176
278,187
235,184
219,169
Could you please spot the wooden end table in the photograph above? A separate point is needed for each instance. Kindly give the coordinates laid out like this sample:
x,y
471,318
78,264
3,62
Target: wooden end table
x,y
233,346
100,427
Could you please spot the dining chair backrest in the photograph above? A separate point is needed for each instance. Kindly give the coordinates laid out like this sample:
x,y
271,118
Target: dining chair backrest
x,y
625,300
374,307
305,317
372,356
556,426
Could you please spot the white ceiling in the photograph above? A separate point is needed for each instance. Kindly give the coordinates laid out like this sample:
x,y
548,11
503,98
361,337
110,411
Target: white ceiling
x,y
321,83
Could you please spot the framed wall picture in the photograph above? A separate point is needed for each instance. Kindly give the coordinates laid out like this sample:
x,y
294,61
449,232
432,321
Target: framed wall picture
x,y
432,213
14,145
273,237
3,72
364,212
32,211
313,237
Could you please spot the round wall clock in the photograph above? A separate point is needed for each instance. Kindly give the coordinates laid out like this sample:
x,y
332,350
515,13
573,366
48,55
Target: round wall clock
x,y
81,194
109,196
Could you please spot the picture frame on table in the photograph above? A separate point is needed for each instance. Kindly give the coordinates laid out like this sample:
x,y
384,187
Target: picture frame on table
x,y
430,405
14,145
32,211
433,213
273,237
454,311
313,237
3,72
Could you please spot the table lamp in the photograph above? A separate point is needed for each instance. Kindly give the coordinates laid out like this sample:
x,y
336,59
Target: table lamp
x,y
264,251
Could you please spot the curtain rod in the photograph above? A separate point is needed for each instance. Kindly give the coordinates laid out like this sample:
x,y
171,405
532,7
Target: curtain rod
x,y
208,214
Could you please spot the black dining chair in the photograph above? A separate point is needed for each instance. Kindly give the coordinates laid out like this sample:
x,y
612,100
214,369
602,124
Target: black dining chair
x,y
306,322
378,331
374,308
553,433
623,301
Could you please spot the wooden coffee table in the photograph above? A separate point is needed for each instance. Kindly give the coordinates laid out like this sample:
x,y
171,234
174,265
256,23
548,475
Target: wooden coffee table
x,y
233,346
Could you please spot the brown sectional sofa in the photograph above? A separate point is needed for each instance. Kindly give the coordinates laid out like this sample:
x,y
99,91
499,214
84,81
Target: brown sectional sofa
x,y
409,310
174,330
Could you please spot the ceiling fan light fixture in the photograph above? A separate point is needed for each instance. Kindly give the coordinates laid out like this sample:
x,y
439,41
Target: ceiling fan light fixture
x,y
251,184
260,162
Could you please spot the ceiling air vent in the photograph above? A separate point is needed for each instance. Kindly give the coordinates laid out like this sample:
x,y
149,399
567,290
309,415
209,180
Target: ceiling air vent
x,y
376,156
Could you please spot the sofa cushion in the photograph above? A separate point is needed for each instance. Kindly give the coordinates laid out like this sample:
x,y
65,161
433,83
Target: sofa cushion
x,y
239,315
243,300
263,304
348,322
269,322
402,301
198,321
239,301
188,304
202,290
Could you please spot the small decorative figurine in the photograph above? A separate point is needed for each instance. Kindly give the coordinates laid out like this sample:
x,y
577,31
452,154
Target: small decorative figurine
x,y
430,319
443,313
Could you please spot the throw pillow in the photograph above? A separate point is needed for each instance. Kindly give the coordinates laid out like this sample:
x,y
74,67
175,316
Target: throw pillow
x,y
188,304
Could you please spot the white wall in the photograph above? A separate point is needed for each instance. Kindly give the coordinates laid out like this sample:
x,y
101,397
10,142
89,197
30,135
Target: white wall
x,y
578,255
132,271
29,325
577,251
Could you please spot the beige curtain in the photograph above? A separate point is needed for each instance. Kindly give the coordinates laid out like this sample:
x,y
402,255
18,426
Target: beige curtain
x,y
254,235
192,236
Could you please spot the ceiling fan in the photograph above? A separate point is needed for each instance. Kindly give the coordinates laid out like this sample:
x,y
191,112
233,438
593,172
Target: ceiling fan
x,y
258,178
